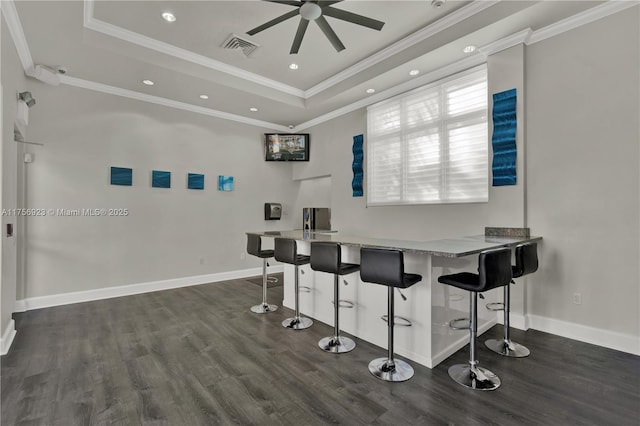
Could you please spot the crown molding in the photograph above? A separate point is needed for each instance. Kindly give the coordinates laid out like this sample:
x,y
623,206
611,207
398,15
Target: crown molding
x,y
126,93
521,37
582,18
168,49
441,24
17,33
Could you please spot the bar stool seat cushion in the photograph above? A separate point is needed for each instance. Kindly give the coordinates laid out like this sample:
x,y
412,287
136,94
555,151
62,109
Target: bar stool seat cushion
x,y
464,280
254,247
263,254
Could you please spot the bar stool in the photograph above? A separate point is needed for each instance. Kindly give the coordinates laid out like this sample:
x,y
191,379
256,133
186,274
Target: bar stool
x,y
254,247
327,257
286,251
386,267
494,270
526,263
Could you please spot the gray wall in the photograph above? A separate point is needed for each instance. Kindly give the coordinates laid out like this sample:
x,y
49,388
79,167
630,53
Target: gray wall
x,y
583,160
13,82
169,233
581,131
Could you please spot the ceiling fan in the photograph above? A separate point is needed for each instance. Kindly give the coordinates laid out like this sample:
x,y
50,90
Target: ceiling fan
x,y
316,10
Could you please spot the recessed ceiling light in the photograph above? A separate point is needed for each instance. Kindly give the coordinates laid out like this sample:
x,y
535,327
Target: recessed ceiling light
x,y
253,109
371,90
293,66
168,16
204,96
148,82
414,72
468,49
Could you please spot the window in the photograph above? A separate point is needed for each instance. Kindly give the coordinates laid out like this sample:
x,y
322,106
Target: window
x,y
430,145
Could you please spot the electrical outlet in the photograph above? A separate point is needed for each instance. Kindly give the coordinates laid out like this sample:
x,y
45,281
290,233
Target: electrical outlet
x,y
202,260
577,298
243,256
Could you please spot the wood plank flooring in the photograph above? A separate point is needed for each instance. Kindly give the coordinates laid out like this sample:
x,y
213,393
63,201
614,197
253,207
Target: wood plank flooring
x,y
198,356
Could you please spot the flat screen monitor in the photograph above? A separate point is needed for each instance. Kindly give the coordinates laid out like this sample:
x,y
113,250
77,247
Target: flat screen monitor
x,y
287,147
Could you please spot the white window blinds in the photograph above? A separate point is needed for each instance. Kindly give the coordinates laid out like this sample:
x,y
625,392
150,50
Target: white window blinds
x,y
430,145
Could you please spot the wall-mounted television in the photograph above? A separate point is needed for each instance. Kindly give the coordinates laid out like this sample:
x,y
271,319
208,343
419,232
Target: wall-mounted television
x,y
286,146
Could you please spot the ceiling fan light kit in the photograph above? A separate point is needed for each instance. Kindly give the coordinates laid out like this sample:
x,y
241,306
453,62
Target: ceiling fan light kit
x,y
316,11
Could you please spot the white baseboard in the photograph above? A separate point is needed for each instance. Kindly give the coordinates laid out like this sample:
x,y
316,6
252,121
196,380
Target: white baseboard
x,y
127,290
596,336
519,321
7,337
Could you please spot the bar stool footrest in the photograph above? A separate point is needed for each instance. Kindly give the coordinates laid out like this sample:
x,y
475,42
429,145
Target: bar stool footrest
x,y
304,289
454,324
495,306
344,303
397,320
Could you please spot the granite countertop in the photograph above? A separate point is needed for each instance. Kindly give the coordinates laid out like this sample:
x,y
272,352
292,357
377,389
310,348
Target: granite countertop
x,y
448,247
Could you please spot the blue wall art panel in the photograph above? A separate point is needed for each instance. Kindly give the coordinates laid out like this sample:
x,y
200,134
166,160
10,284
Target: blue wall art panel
x,y
358,172
121,176
504,138
160,179
225,183
195,181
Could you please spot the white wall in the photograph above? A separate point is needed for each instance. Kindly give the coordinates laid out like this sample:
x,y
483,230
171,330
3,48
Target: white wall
x,y
583,160
169,233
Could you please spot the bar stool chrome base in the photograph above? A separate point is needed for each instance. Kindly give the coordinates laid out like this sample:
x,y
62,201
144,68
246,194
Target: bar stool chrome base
x,y
297,323
507,348
338,345
477,378
263,308
399,371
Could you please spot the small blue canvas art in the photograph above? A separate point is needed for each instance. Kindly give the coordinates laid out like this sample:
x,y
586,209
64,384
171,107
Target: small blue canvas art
x,y
195,181
160,179
121,176
225,183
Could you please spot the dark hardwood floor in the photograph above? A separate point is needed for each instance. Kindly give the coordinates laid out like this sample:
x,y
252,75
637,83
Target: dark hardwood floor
x,y
198,356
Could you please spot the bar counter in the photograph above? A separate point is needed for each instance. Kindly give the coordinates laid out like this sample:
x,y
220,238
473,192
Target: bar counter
x,y
429,305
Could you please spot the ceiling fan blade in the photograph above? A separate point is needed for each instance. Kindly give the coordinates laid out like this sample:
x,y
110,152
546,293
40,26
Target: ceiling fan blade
x,y
354,18
297,41
290,3
275,21
327,3
329,33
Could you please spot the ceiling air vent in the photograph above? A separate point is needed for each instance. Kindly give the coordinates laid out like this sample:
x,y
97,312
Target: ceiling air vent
x,y
235,42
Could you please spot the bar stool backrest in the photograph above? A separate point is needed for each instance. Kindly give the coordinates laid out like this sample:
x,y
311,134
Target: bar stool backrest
x,y
381,266
494,267
526,259
326,257
286,251
254,245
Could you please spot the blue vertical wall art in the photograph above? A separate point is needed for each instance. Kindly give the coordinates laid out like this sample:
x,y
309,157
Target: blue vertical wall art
x,y
121,176
195,181
503,140
225,183
358,172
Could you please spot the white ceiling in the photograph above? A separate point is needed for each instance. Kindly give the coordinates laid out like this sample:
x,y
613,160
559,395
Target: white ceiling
x,y
120,43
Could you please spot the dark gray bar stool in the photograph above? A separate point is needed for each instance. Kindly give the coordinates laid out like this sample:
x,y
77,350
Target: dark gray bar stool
x,y
386,267
526,263
254,248
327,257
286,251
494,270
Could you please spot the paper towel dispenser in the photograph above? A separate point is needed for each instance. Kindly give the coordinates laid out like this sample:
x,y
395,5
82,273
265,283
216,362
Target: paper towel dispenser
x,y
272,211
